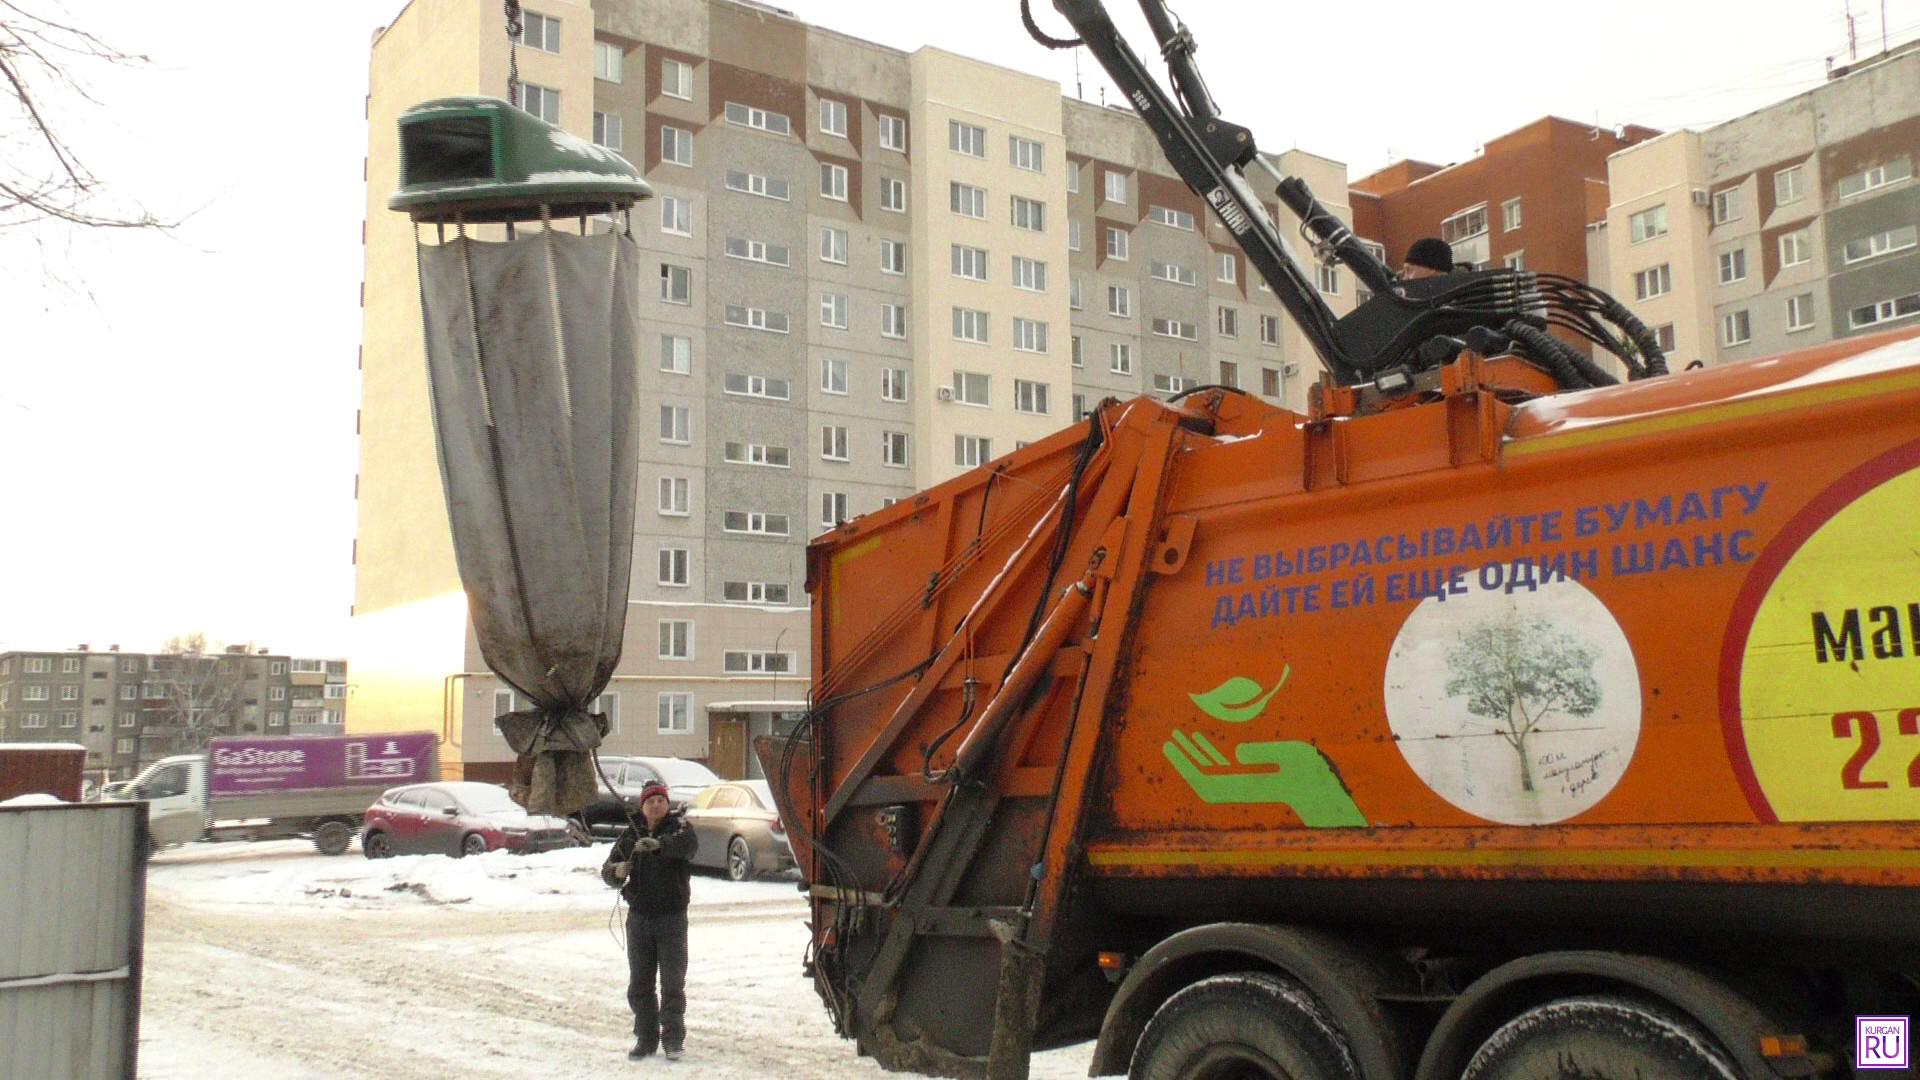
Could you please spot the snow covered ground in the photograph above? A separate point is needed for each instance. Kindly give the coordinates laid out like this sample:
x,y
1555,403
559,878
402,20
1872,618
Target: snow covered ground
x,y
271,960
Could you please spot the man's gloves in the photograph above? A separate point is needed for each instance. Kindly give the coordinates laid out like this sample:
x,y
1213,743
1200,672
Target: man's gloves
x,y
647,844
615,873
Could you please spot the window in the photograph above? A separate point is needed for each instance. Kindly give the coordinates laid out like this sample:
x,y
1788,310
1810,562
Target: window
x,y
35,693
676,284
1227,322
676,216
1120,301
759,119
1270,381
1269,329
129,719
967,200
1073,293
675,424
676,145
833,509
1026,154
1173,272
70,665
1029,214
760,386
1029,274
1872,247
1116,243
893,384
1795,248
833,310
1800,312
1079,407
1116,187
833,376
970,325
833,117
766,187
69,693
1663,337
676,354
1515,261
758,251
1073,236
676,713
893,320
833,442
1875,178
893,449
1789,186
754,523
1726,206
1900,307
1648,284
673,496
676,639
1464,225
129,693
34,720
833,181
893,194
128,665
72,719
753,592
1120,358
970,451
540,101
540,32
1174,328
123,746
1329,279
1510,215
673,566
1733,266
969,262
833,245
609,704
1226,268
1229,373
1178,219
966,139
676,79
1735,328
1030,397
972,388
756,662
36,665
1073,178
1648,223
607,60
753,318
1029,336
777,457
893,133
1172,384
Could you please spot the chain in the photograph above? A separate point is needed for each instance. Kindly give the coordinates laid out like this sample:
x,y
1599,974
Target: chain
x,y
516,27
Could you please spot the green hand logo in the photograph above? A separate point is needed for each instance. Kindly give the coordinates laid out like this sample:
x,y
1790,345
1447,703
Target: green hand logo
x,y
1294,774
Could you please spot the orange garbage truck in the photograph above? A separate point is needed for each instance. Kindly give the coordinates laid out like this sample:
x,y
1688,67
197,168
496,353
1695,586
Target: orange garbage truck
x,y
1485,721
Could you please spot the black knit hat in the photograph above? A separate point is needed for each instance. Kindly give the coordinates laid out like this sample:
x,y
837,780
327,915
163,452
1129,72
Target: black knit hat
x,y
1432,254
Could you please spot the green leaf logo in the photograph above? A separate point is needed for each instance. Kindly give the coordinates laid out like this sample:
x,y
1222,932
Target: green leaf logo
x,y
1234,701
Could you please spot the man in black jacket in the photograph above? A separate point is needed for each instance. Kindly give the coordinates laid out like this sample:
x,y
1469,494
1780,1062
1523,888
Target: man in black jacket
x,y
651,863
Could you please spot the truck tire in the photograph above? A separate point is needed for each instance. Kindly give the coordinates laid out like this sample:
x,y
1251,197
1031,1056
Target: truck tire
x,y
1599,1037
1241,1026
332,837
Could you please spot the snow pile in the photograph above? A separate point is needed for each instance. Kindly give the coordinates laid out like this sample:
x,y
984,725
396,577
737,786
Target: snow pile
x,y
34,798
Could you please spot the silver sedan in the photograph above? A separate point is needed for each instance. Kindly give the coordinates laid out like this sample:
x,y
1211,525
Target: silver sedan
x,y
740,832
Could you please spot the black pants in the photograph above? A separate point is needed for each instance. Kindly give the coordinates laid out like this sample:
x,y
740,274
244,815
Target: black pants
x,y
658,942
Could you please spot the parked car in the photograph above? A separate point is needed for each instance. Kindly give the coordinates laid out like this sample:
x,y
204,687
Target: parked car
x,y
456,818
740,831
630,775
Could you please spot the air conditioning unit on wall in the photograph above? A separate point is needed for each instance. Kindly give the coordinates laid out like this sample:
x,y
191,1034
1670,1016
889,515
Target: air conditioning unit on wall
x,y
944,393
1700,197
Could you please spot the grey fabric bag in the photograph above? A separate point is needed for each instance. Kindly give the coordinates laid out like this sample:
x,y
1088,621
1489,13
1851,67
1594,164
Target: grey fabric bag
x,y
530,359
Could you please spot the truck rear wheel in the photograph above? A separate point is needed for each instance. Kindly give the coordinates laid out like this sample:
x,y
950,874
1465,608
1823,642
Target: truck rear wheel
x,y
332,837
1601,1037
1250,1025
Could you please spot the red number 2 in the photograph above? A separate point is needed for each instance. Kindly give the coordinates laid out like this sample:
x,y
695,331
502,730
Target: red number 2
x,y
1869,745
1910,725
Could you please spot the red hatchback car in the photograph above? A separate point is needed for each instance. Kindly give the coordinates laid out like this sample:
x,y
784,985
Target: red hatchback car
x,y
456,818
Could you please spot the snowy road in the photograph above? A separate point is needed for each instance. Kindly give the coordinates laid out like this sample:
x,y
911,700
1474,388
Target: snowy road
x,y
270,960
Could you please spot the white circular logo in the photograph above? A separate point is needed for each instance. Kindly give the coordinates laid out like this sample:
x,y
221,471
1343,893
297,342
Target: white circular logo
x,y
1521,708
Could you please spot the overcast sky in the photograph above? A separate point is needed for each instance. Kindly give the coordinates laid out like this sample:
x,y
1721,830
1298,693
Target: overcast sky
x,y
176,412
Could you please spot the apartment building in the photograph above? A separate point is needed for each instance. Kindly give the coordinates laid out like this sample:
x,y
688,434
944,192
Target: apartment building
x,y
1793,225
132,709
876,270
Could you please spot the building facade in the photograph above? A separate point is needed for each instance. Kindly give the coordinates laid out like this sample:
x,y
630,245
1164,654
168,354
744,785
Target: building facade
x,y
875,269
132,709
1784,228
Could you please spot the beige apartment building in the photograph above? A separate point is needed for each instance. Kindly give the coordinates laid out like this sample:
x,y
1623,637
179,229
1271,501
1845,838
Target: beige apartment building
x,y
876,269
1795,224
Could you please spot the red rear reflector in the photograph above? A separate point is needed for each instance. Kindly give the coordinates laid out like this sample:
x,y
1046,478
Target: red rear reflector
x,y
1782,1045
1113,961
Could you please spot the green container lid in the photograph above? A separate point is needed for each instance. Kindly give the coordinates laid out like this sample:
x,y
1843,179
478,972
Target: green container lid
x,y
481,159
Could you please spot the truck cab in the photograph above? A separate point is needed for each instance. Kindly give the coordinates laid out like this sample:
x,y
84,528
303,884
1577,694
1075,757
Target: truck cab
x,y
175,791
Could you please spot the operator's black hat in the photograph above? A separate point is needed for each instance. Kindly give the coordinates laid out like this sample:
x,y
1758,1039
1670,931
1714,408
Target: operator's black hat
x,y
1432,254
